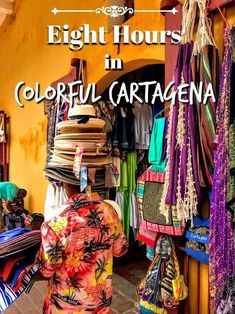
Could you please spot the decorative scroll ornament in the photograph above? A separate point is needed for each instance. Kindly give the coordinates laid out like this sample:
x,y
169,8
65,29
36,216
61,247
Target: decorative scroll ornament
x,y
114,10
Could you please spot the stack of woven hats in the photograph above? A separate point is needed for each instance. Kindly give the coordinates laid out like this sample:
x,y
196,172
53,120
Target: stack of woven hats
x,y
80,143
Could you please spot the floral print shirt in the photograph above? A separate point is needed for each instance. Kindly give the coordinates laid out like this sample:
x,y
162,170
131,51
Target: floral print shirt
x,y
77,255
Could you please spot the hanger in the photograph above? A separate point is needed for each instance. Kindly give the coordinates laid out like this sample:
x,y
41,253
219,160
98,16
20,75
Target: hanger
x,y
218,7
163,110
223,17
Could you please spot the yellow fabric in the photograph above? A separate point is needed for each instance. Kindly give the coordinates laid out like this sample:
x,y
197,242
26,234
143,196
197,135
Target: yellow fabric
x,y
180,290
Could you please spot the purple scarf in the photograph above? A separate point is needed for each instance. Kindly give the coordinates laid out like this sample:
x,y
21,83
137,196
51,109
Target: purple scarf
x,y
221,248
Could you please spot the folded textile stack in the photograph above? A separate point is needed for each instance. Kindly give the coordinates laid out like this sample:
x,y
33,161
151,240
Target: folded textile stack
x,y
198,245
80,150
18,248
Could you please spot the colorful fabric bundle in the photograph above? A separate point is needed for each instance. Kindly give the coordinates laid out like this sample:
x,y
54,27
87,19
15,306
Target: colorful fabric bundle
x,y
8,294
18,248
221,247
166,284
18,240
163,285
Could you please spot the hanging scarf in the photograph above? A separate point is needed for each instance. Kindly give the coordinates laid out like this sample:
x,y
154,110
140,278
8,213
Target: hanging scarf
x,y
205,69
221,247
181,190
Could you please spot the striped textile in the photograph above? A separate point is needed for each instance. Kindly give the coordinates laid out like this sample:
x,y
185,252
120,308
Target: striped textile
x,y
20,243
147,230
205,69
174,230
146,236
152,176
7,294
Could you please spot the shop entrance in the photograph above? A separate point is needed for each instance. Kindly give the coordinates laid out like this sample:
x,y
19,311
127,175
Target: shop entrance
x,y
134,264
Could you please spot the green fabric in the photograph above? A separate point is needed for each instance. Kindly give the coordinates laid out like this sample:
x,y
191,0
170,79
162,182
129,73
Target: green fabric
x,y
156,146
127,210
8,191
127,186
128,170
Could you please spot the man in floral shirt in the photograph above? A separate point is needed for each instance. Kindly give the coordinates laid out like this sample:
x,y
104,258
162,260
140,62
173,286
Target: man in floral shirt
x,y
77,255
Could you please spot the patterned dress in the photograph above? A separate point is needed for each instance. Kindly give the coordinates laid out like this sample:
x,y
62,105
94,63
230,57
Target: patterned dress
x,y
77,255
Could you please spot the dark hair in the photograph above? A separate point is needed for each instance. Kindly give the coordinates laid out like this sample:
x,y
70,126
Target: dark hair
x,y
22,193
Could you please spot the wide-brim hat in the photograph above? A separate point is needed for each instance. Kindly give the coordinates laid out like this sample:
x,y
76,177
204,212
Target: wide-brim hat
x,y
80,136
91,147
73,126
81,118
64,160
78,112
67,175
87,151
80,143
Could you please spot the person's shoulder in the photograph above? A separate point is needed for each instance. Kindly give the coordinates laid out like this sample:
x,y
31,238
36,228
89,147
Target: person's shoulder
x,y
114,208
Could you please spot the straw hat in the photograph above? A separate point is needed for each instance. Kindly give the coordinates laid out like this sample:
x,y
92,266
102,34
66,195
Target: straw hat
x,y
80,143
67,175
84,130
75,126
87,151
81,118
80,136
64,160
77,112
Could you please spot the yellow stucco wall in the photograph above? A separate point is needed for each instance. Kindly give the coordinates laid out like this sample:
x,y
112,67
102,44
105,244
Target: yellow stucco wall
x,y
25,55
